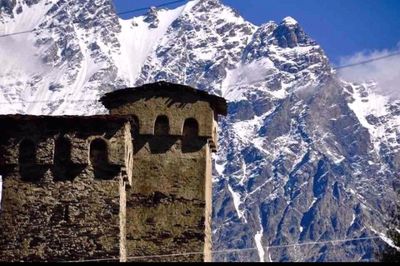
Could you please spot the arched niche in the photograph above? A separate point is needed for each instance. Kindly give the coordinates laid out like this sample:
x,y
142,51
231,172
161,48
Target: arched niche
x,y
161,126
63,168
27,152
98,152
99,160
62,150
190,128
190,136
28,168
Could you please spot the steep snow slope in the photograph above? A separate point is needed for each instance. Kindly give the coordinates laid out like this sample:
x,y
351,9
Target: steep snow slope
x,y
138,39
303,157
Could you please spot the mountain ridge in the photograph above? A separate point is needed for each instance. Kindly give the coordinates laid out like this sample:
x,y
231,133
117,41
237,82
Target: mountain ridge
x,y
304,156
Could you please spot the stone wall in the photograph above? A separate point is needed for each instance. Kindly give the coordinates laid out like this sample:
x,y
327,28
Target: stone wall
x,y
166,204
98,188
54,211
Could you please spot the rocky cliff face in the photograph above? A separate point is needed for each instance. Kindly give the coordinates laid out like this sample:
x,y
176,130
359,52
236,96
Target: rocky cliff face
x,y
304,157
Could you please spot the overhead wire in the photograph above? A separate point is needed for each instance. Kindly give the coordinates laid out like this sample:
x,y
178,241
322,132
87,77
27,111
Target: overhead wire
x,y
146,8
215,251
231,86
75,22
226,251
368,61
180,1
162,5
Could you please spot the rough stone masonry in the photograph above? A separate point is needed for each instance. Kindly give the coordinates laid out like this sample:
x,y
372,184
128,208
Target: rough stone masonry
x,y
125,186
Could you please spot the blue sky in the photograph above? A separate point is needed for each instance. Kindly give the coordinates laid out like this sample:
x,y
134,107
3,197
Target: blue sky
x,y
341,27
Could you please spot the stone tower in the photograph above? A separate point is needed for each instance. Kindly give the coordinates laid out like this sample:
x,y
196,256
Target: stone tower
x,y
132,185
169,204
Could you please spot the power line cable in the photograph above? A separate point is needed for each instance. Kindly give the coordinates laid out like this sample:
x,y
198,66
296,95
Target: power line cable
x,y
146,8
119,13
334,68
231,250
180,1
231,86
161,5
217,251
367,61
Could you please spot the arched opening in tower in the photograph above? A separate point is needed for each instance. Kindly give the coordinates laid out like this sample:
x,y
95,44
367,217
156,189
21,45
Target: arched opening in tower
x,y
64,168
190,136
98,152
161,126
28,168
62,151
190,128
27,152
99,160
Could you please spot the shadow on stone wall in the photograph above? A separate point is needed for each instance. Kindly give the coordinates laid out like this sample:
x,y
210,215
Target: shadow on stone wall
x,y
193,144
162,144
32,173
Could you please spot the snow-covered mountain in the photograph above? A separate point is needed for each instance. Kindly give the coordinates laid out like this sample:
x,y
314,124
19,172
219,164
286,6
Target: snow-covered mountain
x,y
304,157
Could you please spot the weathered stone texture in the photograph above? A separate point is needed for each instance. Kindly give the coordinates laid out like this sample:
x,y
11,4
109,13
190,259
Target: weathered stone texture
x,y
49,216
59,221
149,109
166,206
166,226
177,102
132,186
169,204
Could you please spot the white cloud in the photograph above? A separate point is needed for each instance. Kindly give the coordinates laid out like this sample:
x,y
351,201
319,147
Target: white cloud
x,y
386,72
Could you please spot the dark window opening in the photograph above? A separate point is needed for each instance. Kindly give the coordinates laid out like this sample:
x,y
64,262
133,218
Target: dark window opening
x,y
27,152
190,137
99,160
98,152
60,214
28,169
161,126
62,151
64,168
190,128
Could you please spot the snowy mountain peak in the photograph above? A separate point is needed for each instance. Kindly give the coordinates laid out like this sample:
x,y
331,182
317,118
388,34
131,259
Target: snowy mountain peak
x,y
290,34
209,2
289,21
